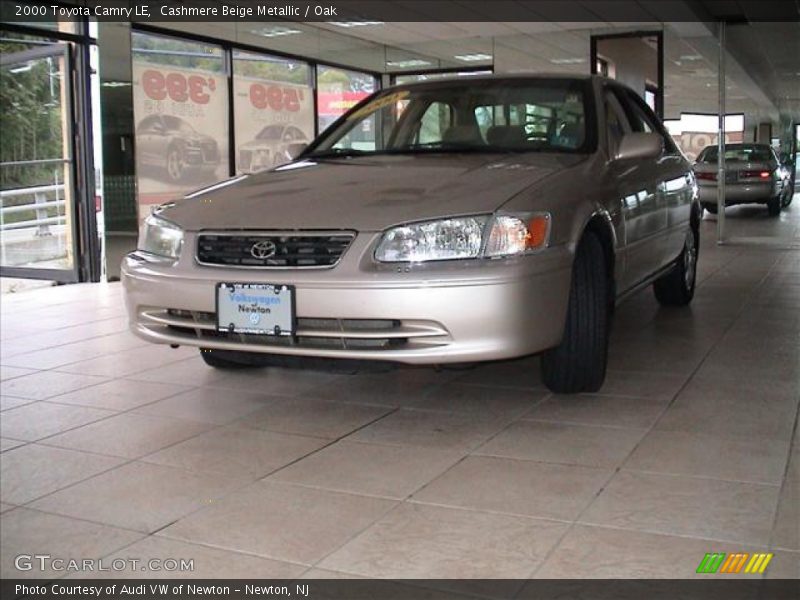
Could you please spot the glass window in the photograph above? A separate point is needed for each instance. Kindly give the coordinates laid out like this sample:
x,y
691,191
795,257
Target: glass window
x,y
273,110
180,106
616,123
337,92
414,77
548,115
642,119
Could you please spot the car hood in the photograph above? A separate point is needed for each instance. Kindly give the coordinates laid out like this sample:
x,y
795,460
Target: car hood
x,y
259,145
365,193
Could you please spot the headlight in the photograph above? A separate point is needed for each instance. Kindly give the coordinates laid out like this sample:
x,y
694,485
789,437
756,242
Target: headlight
x,y
465,237
160,237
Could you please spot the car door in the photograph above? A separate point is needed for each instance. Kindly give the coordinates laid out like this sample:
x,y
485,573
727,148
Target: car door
x,y
637,185
675,186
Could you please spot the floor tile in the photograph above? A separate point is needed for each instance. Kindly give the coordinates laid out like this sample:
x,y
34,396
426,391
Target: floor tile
x,y
600,553
524,373
276,381
587,409
748,408
376,470
42,419
430,429
46,384
707,455
190,372
496,402
139,496
32,532
237,451
206,563
417,541
313,417
8,444
9,402
7,372
128,362
120,394
707,508
564,443
518,487
33,471
215,406
642,384
128,435
281,521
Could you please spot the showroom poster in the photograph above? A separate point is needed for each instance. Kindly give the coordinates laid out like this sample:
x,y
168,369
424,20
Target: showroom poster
x,y
181,131
274,121
692,143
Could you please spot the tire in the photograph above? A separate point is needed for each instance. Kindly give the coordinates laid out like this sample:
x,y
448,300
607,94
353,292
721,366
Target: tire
x,y
676,288
788,196
578,363
222,359
712,208
774,206
174,165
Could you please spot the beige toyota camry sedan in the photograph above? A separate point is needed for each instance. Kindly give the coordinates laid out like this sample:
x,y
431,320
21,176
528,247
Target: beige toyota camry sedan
x,y
442,222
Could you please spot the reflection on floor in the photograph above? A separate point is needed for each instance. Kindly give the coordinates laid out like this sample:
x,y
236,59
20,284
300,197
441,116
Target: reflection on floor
x,y
115,448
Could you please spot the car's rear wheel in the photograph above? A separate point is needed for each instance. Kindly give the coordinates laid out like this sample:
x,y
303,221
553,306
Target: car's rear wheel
x,y
175,165
788,196
676,288
774,206
578,363
225,359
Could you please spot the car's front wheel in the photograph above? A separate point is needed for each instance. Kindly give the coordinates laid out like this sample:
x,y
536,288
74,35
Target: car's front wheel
x,y
676,288
175,166
712,208
578,363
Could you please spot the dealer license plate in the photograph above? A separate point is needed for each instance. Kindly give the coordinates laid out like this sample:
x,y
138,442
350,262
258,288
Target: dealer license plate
x,y
255,308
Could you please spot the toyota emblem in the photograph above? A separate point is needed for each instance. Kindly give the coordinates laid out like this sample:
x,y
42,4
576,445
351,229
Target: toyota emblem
x,y
263,249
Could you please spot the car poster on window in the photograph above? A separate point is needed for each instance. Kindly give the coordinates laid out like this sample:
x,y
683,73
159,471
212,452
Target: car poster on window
x,y
692,143
274,122
181,120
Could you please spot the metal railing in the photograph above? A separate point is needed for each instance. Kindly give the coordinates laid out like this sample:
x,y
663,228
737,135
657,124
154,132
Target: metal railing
x,y
39,206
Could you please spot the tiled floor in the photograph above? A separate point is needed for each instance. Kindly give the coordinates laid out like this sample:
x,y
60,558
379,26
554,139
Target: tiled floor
x,y
115,448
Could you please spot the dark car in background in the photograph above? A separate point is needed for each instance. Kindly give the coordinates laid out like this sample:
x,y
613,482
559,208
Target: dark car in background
x,y
174,147
753,175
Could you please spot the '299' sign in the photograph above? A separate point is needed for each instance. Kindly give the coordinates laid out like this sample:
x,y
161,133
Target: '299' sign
x,y
177,86
275,97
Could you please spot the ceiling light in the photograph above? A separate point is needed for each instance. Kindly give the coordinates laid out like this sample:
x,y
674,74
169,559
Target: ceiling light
x,y
473,57
404,64
270,32
567,61
691,57
349,24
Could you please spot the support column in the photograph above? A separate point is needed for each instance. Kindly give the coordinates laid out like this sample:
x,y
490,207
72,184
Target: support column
x,y
721,139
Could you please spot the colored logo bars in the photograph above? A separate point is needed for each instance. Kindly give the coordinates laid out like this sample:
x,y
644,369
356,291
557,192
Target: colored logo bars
x,y
714,562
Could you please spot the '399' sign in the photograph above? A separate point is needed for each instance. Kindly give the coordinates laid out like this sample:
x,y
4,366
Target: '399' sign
x,y
275,97
177,86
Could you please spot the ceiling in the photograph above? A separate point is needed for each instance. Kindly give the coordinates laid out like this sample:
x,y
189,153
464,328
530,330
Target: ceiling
x,y
762,62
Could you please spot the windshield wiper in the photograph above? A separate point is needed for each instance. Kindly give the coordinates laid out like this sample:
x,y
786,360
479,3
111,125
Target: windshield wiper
x,y
338,153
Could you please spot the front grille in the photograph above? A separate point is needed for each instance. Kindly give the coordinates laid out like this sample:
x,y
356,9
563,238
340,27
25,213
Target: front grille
x,y
312,333
284,251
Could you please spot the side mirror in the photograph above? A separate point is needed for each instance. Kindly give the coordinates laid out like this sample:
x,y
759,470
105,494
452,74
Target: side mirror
x,y
294,150
640,145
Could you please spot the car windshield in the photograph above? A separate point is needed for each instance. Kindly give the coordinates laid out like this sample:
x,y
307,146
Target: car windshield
x,y
270,132
176,124
746,153
539,115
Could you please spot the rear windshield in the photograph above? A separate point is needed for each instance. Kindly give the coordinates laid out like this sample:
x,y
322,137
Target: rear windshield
x,y
749,153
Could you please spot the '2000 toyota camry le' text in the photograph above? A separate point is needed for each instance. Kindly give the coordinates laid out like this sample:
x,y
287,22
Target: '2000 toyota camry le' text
x,y
484,219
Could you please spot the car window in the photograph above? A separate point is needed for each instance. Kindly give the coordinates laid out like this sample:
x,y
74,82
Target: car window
x,y
643,120
616,122
436,119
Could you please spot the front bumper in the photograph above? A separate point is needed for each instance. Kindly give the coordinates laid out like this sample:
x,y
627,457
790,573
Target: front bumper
x,y
459,311
740,193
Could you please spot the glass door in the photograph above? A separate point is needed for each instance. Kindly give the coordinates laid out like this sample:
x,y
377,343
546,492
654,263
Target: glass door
x,y
38,199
